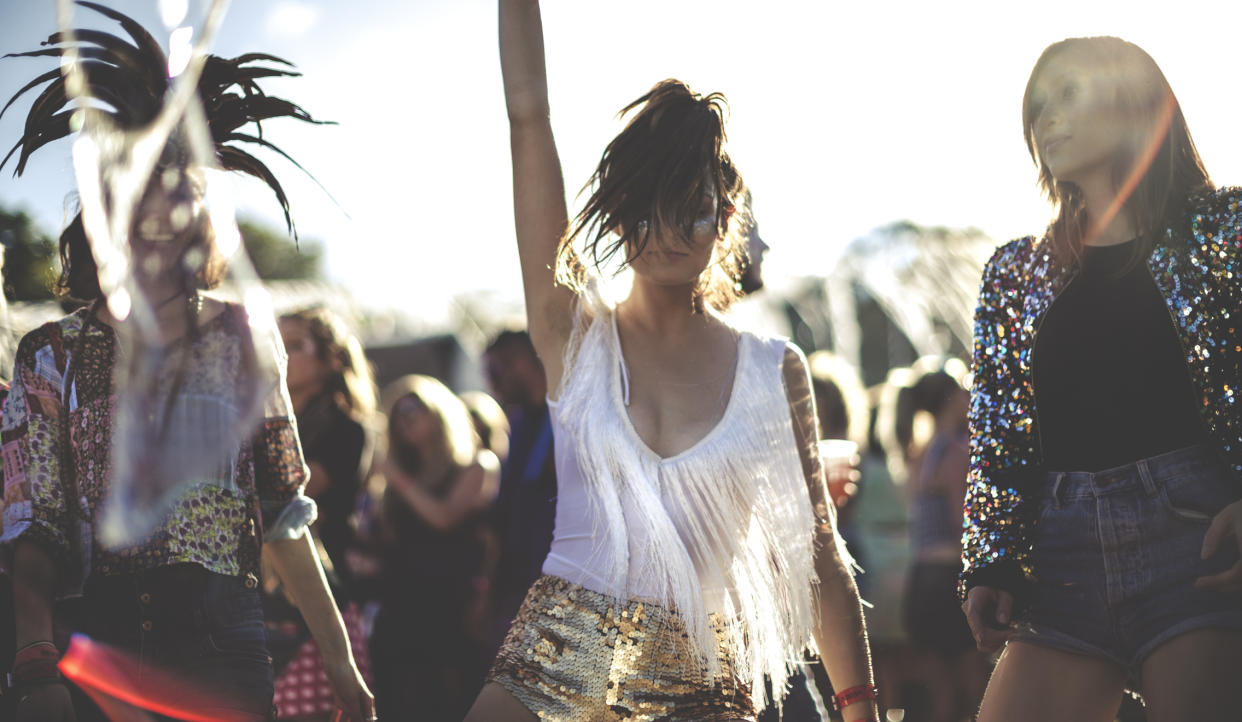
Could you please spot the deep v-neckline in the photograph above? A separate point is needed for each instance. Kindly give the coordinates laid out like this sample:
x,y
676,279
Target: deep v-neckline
x,y
621,375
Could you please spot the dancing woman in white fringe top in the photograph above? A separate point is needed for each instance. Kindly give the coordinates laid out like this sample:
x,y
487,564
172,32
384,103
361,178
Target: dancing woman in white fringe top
x,y
688,476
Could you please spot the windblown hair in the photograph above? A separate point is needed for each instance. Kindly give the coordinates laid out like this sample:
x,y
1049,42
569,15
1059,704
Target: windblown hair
x,y
652,178
351,384
1159,168
457,443
128,82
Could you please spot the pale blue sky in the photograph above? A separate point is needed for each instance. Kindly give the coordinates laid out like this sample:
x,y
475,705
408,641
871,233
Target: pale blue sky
x,y
846,116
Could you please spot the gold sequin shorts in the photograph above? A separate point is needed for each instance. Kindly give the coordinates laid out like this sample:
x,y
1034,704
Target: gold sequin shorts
x,y
574,655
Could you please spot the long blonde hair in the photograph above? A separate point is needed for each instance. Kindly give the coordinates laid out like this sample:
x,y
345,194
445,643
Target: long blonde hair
x,y
456,443
1159,168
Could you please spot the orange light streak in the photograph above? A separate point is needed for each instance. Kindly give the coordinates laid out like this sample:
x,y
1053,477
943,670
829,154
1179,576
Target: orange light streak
x,y
100,669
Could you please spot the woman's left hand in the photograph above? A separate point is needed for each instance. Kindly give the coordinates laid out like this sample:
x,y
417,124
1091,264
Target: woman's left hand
x,y
1227,522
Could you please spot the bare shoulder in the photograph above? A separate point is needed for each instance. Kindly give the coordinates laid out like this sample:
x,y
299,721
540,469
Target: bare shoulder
x,y
794,367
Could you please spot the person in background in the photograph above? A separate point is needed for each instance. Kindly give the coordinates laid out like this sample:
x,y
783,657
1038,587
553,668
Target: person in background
x,y
751,279
492,426
526,509
954,674
333,396
490,422
439,485
843,414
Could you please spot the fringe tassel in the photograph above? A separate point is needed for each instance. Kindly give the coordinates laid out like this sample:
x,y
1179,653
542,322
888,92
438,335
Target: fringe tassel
x,y
733,511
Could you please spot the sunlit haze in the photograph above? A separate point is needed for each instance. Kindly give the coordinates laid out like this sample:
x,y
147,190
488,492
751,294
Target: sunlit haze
x,y
845,116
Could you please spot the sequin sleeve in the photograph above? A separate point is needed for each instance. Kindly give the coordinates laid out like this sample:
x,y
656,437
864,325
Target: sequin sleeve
x,y
33,445
1206,312
995,549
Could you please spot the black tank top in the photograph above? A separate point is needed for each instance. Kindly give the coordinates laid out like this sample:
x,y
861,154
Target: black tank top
x,y
1111,382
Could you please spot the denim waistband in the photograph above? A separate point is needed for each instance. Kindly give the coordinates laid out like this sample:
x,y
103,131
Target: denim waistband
x,y
180,595
1144,474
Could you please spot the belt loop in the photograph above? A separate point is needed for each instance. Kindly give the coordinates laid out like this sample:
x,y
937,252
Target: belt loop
x,y
1145,474
1056,489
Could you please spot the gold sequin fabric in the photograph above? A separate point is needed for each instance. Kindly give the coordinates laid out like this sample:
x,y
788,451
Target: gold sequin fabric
x,y
574,655
1197,268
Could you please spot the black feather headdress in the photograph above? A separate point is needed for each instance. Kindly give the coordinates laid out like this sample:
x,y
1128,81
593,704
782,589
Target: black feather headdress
x,y
130,82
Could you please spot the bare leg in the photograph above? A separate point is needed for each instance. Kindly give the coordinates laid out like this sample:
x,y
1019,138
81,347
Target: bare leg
x,y
495,704
1195,676
1033,684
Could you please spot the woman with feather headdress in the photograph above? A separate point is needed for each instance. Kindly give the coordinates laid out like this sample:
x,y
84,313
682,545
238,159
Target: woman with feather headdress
x,y
183,599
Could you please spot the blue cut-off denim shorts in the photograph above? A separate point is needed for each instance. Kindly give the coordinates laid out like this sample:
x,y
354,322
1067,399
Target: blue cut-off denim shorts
x,y
1116,554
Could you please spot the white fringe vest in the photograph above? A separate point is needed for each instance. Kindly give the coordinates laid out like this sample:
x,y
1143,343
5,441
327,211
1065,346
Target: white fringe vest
x,y
731,512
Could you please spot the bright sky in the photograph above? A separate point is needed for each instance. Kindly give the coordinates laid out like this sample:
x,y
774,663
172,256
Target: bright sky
x,y
845,116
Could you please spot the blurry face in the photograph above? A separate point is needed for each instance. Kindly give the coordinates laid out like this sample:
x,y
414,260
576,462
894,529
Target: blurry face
x,y
169,216
752,276
414,423
306,370
669,258
1078,131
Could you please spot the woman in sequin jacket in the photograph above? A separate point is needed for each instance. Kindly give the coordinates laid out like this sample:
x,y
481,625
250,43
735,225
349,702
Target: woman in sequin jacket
x,y
1106,439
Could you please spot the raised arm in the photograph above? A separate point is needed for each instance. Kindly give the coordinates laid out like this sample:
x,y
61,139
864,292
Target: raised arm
x,y
540,216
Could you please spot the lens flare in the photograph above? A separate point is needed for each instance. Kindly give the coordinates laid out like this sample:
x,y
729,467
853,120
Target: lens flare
x,y
111,676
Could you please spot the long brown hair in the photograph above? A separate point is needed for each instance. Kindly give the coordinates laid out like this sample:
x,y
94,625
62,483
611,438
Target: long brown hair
x,y
1159,167
655,173
351,384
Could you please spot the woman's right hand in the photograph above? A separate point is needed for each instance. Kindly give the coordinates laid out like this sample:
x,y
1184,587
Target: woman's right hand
x,y
989,612
45,703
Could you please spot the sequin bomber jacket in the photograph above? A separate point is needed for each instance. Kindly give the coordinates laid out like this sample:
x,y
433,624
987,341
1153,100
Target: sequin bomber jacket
x,y
1198,269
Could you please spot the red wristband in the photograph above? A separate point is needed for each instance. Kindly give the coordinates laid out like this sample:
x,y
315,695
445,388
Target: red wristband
x,y
854,695
36,662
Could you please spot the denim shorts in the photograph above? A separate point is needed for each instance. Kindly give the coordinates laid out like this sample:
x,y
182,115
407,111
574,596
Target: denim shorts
x,y
1116,554
204,627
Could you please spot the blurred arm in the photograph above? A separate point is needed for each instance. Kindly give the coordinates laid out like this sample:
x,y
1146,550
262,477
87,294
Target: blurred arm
x,y
297,565
475,487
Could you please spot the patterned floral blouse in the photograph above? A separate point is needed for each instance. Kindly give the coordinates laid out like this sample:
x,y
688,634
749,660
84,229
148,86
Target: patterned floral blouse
x,y
217,524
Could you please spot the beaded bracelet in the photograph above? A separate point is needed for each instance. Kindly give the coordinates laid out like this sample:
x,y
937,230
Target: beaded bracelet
x,y
854,695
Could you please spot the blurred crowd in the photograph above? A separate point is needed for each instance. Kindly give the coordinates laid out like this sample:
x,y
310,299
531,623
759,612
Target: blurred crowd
x,y
435,512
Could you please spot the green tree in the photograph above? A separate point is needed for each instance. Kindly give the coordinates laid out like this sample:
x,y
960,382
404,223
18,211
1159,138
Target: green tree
x,y
30,259
276,257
